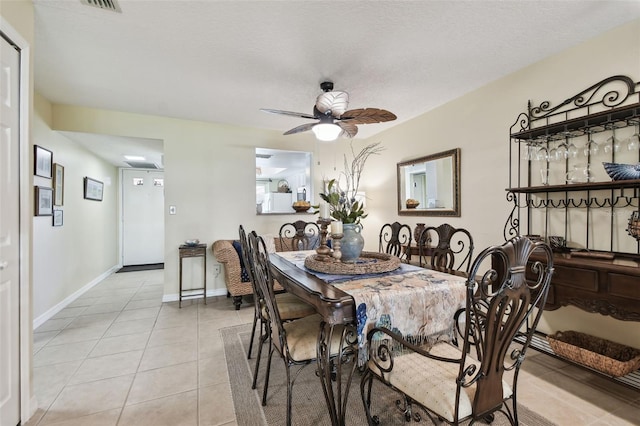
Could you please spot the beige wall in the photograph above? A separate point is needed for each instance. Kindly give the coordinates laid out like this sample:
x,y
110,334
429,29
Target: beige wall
x,y
209,176
479,124
209,168
70,258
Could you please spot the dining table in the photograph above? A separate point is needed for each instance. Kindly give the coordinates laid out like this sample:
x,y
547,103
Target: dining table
x,y
417,303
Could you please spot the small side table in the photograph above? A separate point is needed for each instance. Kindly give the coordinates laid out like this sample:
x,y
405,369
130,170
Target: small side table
x,y
198,250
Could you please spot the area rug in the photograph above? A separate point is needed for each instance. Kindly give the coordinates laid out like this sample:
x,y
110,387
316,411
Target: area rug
x,y
136,268
309,407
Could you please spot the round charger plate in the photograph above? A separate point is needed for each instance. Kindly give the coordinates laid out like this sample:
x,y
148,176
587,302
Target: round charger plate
x,y
367,263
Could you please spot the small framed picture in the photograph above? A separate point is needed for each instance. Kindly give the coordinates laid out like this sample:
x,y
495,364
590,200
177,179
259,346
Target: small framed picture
x,y
57,217
58,185
44,201
93,189
42,161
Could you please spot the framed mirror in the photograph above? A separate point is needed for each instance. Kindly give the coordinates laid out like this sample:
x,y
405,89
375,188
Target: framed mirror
x,y
430,186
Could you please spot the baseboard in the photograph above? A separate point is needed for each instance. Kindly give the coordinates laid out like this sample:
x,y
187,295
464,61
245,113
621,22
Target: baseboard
x,y
37,322
210,293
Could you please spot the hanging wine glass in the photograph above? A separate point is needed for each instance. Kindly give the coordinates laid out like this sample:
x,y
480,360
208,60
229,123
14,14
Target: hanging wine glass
x,y
572,150
529,152
542,154
591,148
633,142
612,145
562,152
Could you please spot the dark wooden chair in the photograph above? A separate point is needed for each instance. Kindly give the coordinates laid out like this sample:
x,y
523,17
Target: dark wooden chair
x,y
447,382
395,239
295,341
446,248
289,306
299,235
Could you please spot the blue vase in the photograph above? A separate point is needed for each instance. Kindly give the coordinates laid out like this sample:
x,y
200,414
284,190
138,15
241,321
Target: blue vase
x,y
352,242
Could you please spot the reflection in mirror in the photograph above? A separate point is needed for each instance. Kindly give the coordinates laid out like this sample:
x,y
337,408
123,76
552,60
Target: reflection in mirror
x,y
430,186
282,178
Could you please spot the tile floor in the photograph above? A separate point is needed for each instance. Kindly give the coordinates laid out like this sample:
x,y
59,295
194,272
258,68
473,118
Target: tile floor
x,y
119,356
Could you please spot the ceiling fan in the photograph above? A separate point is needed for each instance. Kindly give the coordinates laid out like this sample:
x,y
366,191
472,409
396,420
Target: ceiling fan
x,y
333,118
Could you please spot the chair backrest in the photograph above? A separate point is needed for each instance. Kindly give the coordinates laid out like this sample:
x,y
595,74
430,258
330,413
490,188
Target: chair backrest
x,y
299,235
247,260
395,239
501,303
264,280
450,249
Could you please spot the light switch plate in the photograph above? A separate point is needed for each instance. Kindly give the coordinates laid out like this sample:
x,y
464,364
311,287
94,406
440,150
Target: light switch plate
x,y
172,209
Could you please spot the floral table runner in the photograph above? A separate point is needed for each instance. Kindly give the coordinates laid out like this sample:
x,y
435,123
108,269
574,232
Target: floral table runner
x,y
417,303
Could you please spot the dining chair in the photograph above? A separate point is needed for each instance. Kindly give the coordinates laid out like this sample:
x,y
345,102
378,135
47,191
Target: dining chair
x,y
446,249
395,239
299,235
289,306
295,341
446,381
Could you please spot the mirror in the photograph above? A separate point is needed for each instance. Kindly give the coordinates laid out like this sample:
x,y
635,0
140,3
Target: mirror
x,y
430,186
282,178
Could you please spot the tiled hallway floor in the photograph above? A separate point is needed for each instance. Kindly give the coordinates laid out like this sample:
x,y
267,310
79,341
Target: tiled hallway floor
x,y
119,356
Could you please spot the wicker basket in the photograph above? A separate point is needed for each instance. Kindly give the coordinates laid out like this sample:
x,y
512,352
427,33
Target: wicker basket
x,y
603,355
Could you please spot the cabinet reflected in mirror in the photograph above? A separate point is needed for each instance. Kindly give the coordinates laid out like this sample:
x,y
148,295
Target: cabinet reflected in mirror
x,y
282,178
430,186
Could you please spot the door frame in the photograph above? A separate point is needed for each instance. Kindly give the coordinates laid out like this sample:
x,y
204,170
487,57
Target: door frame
x,y
28,403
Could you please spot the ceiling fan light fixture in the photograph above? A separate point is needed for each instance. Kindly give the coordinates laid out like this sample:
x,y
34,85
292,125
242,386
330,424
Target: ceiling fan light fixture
x,y
326,132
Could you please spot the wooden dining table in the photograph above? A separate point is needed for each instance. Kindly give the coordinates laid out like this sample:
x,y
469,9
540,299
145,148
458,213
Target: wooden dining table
x,y
418,303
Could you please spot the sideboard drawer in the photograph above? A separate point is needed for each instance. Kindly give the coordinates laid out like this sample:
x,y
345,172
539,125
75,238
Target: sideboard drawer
x,y
583,279
624,286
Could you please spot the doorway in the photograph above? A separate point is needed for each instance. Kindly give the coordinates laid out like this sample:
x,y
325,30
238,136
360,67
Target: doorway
x,y
142,217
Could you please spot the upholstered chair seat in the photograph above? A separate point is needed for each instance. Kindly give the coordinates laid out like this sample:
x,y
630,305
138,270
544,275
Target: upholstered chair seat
x,y
432,383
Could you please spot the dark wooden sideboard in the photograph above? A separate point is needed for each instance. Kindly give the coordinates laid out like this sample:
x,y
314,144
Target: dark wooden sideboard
x,y
596,285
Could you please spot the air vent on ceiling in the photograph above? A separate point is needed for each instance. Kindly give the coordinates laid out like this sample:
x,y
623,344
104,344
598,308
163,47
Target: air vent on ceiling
x,y
142,165
111,5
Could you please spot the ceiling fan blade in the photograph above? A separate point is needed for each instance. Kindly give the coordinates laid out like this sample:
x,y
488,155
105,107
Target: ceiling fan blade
x,y
336,102
300,129
348,129
367,116
293,114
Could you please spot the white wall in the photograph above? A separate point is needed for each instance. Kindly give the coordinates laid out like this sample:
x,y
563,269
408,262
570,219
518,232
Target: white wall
x,y
72,257
209,168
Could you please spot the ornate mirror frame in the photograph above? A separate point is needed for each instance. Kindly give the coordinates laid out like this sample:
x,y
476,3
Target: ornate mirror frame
x,y
446,202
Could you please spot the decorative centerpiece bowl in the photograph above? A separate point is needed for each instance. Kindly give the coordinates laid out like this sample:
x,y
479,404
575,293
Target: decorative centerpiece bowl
x,y
194,242
412,204
301,206
619,171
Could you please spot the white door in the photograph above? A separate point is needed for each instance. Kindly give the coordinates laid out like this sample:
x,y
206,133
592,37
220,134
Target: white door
x,y
9,231
142,217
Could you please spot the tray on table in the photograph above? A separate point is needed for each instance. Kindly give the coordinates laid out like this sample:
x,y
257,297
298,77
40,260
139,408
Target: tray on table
x,y
367,263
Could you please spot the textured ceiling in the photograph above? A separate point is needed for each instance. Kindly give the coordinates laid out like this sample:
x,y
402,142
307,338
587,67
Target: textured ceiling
x,y
221,61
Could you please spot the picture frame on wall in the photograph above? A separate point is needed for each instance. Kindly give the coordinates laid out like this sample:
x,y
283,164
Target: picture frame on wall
x,y
93,189
42,162
58,215
58,184
44,201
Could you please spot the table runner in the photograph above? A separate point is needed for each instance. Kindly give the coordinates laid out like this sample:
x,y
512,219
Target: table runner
x,y
417,303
